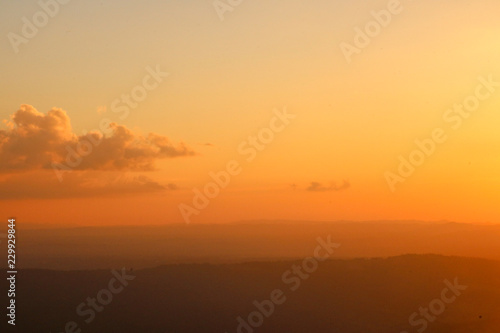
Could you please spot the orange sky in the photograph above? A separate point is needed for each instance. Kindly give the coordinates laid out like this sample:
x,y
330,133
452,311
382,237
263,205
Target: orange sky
x,y
227,81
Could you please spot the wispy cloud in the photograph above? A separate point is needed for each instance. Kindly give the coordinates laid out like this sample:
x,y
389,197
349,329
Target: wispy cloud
x,y
44,185
318,187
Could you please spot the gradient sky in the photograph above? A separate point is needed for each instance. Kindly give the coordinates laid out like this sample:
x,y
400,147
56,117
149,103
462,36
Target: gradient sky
x,y
226,78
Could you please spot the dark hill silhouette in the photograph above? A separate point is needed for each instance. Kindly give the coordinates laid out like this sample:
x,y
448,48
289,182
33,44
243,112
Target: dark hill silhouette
x,y
347,296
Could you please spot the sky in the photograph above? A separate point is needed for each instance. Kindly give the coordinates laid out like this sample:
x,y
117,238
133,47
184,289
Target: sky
x,y
209,76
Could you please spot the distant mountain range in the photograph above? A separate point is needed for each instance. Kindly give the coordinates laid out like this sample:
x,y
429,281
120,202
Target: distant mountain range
x,y
149,246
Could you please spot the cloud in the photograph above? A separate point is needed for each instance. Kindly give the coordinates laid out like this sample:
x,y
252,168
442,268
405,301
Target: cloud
x,y
44,185
172,187
36,140
34,145
318,187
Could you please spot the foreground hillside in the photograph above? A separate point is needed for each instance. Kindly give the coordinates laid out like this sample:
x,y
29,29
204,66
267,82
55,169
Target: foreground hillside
x,y
348,296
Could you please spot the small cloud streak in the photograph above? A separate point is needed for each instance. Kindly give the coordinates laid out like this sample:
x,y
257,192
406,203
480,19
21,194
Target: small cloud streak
x,y
172,187
318,187
44,185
